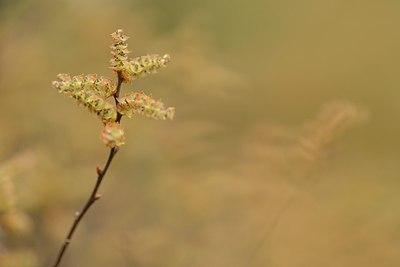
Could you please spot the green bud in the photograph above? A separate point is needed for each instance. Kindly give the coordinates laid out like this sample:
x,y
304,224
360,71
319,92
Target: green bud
x,y
113,135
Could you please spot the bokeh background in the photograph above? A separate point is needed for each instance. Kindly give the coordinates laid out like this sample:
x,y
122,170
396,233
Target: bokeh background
x,y
284,150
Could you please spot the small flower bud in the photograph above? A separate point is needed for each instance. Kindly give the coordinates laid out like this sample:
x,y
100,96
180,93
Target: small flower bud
x,y
99,171
113,135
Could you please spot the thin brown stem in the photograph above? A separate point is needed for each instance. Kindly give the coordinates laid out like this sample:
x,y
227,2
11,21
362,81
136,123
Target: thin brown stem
x,y
91,200
94,196
116,95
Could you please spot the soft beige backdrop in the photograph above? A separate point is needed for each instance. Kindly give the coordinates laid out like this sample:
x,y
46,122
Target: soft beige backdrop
x,y
283,153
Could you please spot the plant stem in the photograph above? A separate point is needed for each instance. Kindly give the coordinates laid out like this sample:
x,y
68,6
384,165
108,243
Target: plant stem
x,y
94,195
116,95
79,215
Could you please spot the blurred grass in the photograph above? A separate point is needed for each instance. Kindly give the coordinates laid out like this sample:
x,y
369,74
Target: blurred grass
x,y
225,183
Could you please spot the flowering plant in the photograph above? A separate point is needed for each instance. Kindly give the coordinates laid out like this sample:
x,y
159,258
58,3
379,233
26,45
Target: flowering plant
x,y
94,92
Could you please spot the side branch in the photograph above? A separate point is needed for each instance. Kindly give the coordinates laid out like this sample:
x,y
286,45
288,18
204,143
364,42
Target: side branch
x,y
94,196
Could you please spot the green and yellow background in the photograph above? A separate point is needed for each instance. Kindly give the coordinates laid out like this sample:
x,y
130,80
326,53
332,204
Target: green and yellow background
x,y
284,151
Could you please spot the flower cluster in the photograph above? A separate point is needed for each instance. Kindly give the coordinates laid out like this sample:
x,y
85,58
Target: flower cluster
x,y
93,91
139,103
113,135
137,67
90,91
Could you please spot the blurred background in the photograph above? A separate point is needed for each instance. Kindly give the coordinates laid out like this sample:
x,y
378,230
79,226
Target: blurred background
x,y
283,152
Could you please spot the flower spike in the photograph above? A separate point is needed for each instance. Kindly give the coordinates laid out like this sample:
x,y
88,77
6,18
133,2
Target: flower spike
x,y
144,65
119,51
86,89
139,103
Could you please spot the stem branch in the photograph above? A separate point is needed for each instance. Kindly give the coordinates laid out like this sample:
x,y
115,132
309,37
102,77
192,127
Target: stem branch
x,y
91,200
94,195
